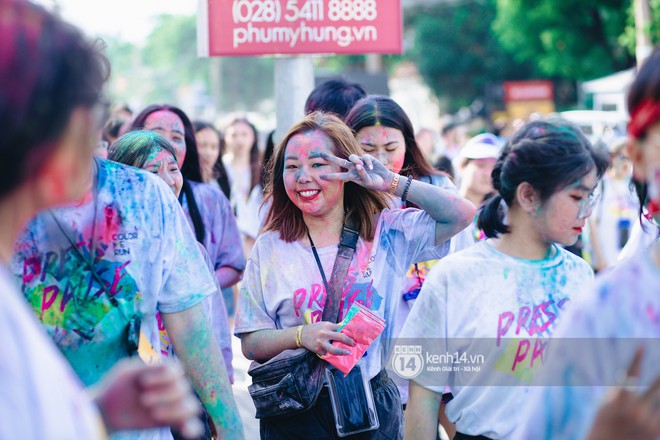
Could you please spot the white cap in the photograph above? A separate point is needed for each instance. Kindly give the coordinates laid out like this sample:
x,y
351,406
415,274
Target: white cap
x,y
482,146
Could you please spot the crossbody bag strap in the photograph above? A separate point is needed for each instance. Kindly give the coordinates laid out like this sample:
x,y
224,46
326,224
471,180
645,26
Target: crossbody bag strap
x,y
349,238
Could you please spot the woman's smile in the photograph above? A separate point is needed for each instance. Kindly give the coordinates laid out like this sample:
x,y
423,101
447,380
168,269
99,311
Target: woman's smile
x,y
309,194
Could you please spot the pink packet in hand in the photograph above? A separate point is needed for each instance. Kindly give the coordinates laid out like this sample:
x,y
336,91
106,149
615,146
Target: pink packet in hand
x,y
361,325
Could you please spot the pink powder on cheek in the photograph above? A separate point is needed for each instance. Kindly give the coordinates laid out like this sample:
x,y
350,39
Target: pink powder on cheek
x,y
397,160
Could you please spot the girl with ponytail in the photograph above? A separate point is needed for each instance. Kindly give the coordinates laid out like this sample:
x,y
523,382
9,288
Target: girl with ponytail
x,y
502,297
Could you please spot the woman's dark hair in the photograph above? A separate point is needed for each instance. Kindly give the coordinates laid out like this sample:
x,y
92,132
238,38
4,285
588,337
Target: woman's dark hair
x,y
190,168
219,171
645,87
47,70
112,128
445,165
334,96
361,204
380,110
268,155
549,155
255,154
134,147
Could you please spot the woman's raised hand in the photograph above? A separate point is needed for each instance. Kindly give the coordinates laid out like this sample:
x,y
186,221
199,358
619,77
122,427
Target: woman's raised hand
x,y
317,337
364,170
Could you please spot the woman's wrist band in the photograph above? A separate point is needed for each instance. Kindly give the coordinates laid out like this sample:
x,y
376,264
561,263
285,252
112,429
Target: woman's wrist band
x,y
395,184
299,336
405,191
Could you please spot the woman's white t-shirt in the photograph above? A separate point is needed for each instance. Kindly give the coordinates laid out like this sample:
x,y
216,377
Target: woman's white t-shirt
x,y
482,301
246,202
283,288
615,214
40,396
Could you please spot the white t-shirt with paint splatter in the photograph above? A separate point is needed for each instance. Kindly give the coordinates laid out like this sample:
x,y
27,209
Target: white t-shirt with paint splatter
x,y
283,288
40,396
481,301
144,252
618,314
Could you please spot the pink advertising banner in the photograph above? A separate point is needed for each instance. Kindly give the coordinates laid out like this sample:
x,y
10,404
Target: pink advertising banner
x,y
268,27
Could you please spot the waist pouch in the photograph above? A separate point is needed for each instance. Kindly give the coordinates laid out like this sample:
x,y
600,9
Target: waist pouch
x,y
288,384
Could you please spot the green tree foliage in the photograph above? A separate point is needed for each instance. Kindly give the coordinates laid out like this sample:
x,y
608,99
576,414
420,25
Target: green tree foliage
x,y
168,63
571,39
458,54
628,38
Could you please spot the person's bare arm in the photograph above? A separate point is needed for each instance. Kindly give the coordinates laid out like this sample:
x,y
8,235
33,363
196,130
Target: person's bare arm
x,y
262,345
451,213
200,355
227,276
422,413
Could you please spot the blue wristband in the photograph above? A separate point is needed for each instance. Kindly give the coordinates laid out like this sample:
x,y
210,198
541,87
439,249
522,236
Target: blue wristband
x,y
405,191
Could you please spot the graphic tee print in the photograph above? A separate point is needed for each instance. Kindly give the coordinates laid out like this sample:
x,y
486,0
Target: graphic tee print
x,y
142,249
283,288
481,295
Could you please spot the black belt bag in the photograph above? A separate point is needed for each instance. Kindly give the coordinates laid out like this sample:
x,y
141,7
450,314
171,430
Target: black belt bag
x,y
291,382
287,384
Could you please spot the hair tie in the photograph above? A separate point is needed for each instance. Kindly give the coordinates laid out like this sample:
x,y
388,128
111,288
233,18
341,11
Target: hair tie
x,y
504,208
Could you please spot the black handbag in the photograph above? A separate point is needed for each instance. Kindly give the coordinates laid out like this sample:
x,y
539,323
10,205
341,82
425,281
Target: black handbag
x,y
291,382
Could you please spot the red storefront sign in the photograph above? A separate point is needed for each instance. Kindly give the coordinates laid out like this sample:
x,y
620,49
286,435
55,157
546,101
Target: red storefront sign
x,y
538,90
266,27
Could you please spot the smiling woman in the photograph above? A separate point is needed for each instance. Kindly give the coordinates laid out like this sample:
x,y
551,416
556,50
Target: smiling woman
x,y
320,182
303,167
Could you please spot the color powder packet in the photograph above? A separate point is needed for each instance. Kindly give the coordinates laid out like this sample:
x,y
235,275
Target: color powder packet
x,y
361,325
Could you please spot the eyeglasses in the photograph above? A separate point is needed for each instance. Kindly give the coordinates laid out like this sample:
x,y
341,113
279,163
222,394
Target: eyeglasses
x,y
620,158
587,207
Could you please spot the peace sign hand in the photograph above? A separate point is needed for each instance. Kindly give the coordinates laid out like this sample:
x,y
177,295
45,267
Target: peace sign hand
x,y
366,171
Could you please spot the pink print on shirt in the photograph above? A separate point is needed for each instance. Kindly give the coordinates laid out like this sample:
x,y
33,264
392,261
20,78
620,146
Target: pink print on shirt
x,y
309,302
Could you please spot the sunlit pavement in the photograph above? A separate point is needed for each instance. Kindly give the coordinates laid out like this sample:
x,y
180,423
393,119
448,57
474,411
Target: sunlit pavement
x,y
241,394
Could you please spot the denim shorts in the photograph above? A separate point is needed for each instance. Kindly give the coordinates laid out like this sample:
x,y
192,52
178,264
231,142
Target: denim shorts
x,y
318,422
